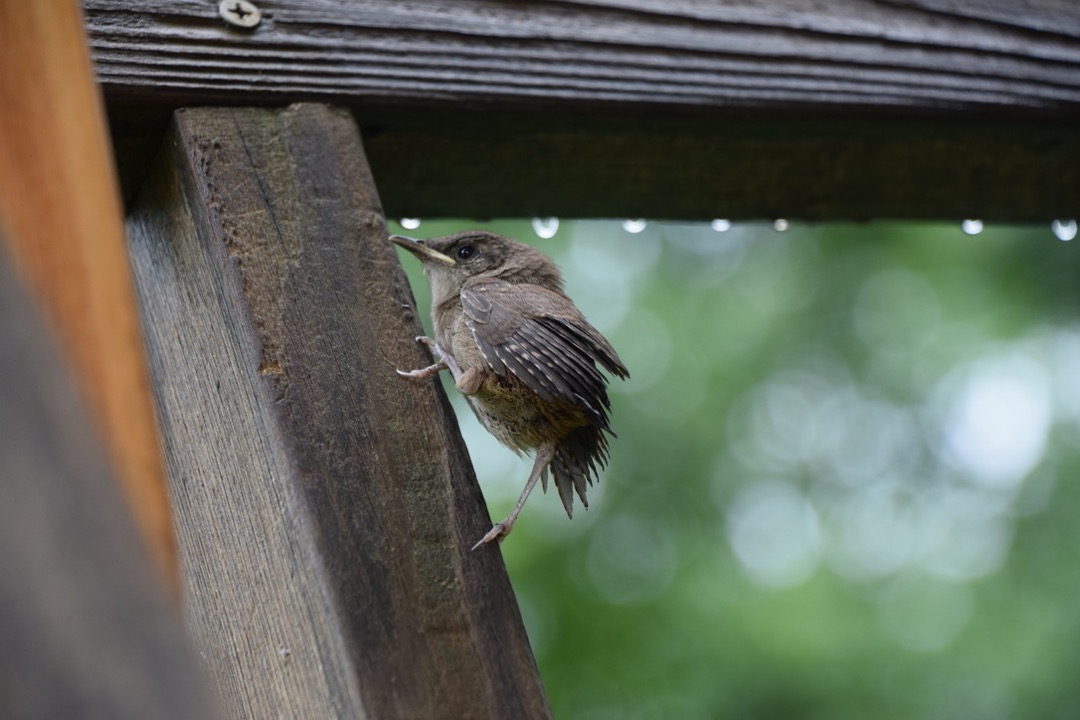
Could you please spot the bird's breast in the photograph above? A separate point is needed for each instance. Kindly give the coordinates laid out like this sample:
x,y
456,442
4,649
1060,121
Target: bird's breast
x,y
518,417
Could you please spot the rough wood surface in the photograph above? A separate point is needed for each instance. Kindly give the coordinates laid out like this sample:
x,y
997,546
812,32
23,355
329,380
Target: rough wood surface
x,y
59,195
843,109
325,505
906,53
88,630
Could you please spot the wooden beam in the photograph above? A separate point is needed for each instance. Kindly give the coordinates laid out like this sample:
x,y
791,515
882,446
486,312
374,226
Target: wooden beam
x,y
844,109
88,629
918,54
59,199
325,505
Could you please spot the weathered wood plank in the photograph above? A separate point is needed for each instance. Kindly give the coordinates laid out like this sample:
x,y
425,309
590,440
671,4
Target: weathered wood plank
x,y
845,109
59,195
840,53
325,506
88,629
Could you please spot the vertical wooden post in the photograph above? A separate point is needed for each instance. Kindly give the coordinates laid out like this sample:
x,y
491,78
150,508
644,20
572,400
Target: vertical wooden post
x,y
325,506
88,629
60,202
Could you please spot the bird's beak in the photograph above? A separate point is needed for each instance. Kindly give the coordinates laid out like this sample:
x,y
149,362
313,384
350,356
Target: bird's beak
x,y
420,250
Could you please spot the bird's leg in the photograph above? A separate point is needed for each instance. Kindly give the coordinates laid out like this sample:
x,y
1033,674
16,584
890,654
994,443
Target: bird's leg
x,y
500,530
443,361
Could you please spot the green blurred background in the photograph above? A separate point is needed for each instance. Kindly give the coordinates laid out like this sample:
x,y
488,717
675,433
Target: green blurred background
x,y
844,484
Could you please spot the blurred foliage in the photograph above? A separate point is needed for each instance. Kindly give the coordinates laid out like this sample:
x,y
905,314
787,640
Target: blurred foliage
x,y
843,484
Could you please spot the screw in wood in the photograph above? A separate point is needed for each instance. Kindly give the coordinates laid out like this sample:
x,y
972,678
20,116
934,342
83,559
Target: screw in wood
x,y
240,13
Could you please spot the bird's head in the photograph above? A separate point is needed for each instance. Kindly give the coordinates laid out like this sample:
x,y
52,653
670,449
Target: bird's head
x,y
451,261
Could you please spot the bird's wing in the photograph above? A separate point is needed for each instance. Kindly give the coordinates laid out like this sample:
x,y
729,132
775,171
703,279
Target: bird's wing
x,y
538,335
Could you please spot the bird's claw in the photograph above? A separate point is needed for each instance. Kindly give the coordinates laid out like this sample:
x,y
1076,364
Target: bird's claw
x,y
421,373
498,532
443,360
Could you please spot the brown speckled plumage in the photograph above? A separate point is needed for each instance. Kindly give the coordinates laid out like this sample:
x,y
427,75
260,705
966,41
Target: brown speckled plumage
x,y
522,354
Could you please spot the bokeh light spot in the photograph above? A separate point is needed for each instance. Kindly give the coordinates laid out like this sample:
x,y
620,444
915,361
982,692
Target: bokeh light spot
x,y
997,423
775,533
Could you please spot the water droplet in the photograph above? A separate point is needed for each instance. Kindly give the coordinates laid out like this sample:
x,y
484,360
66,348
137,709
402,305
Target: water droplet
x,y
634,226
1064,229
410,223
972,227
545,227
780,225
721,225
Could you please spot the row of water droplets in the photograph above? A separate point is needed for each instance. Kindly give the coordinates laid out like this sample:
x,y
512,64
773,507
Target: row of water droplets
x,y
545,228
1063,230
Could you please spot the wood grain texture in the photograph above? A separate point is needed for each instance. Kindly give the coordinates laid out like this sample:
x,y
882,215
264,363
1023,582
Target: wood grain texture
x,y
325,505
59,197
88,630
686,109
905,53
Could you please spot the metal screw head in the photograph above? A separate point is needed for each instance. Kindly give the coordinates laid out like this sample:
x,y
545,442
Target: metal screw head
x,y
240,13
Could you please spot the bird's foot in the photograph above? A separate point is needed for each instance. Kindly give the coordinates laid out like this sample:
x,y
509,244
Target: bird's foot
x,y
422,373
443,361
501,529
447,360
498,532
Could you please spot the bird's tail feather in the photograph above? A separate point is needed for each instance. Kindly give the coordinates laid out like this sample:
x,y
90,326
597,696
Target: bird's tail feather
x,y
578,460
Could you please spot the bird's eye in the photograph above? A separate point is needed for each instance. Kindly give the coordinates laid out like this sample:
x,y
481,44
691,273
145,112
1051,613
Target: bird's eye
x,y
466,251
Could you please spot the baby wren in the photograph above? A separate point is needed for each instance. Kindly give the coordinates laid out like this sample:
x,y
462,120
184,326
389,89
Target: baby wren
x,y
523,356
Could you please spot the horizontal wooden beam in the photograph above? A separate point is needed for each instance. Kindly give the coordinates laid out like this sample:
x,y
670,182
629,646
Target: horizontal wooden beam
x,y
831,110
918,54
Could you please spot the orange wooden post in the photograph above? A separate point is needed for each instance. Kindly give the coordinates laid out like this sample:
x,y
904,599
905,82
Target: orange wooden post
x,y
60,204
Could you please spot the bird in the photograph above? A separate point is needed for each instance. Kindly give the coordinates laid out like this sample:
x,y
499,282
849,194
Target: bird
x,y
522,354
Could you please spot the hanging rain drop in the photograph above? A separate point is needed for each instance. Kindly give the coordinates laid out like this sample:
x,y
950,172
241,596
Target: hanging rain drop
x,y
720,225
780,225
545,227
634,226
1064,230
972,227
409,223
